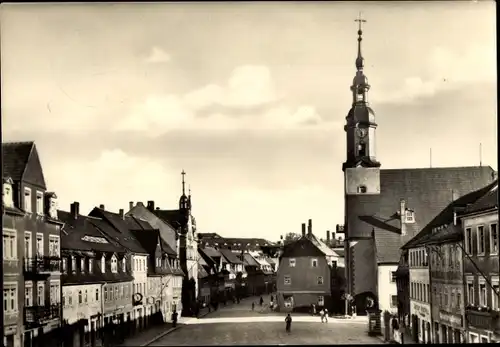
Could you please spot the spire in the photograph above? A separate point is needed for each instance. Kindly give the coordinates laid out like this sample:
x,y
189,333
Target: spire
x,y
359,60
183,183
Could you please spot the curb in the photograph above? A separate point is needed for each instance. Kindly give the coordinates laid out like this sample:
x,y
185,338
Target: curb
x,y
166,332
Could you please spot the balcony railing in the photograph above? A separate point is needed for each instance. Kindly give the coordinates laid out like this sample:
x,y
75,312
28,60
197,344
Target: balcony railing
x,y
482,319
40,265
39,315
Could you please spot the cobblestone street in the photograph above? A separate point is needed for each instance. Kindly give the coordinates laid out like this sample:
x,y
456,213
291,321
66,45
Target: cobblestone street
x,y
239,325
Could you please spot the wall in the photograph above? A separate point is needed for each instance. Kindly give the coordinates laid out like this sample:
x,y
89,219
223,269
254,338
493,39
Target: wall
x,y
386,287
73,310
304,277
120,304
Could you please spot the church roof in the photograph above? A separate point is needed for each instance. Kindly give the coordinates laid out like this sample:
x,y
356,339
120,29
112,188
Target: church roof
x,y
427,192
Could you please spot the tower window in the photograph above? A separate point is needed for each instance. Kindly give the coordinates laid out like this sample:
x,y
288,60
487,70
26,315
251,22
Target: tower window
x,y
362,149
362,189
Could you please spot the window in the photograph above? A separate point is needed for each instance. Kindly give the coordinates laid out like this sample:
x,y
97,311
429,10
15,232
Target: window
x,y
91,265
287,280
482,294
291,262
394,301
39,245
409,216
73,264
7,192
484,339
124,265
314,262
393,276
470,292
80,297
473,338
9,244
55,292
105,294
82,264
452,299
41,293
459,300
362,189
362,151
27,199
321,300
121,292
320,279
28,294
114,264
70,298
481,240
493,239
54,249
468,240
39,203
116,292
494,294
86,298
103,264
28,245
65,265
10,297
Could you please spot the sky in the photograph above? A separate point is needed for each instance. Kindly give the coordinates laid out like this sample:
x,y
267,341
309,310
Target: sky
x,y
249,99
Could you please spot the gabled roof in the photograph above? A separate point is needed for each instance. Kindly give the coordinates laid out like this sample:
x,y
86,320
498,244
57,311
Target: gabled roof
x,y
15,157
488,201
172,217
134,222
230,256
86,236
451,233
427,191
445,216
211,252
119,230
340,252
250,261
321,245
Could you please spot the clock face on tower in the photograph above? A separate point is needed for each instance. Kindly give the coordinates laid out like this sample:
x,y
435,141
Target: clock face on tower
x,y
361,132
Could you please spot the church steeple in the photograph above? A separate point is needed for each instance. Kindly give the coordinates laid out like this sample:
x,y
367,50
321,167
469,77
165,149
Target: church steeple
x,y
183,201
360,127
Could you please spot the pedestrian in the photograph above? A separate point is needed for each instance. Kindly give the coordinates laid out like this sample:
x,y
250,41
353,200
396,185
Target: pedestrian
x,y
322,315
314,310
288,321
174,318
326,315
261,301
253,306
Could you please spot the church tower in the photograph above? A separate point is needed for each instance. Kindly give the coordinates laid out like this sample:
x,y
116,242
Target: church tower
x,y
361,168
184,227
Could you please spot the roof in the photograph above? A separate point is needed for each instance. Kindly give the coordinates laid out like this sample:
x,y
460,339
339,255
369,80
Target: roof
x,y
211,252
172,217
451,233
340,252
84,235
230,256
136,224
427,191
488,201
321,245
446,216
119,230
237,244
250,261
15,156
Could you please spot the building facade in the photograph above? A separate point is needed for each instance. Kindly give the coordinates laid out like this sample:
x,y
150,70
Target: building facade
x,y
481,265
31,243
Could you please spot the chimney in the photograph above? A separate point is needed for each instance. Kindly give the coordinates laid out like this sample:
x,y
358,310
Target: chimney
x,y
402,216
130,205
75,209
333,236
151,205
328,237
303,229
101,206
309,227
120,212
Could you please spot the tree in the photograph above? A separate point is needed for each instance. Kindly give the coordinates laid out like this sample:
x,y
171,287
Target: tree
x,y
290,237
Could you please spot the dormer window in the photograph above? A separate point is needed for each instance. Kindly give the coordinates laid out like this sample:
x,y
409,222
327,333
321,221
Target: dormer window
x,y
91,265
114,264
65,265
7,192
27,199
82,264
362,189
39,203
103,264
409,216
73,264
124,265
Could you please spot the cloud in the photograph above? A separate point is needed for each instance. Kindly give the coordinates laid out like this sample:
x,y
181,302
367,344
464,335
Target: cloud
x,y
249,100
157,55
446,70
123,177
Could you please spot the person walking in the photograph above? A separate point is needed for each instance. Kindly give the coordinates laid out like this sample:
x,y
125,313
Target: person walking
x,y
322,315
326,315
253,306
174,318
288,322
261,301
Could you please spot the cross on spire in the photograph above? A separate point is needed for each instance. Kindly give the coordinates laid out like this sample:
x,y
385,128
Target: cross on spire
x,y
359,59
360,20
